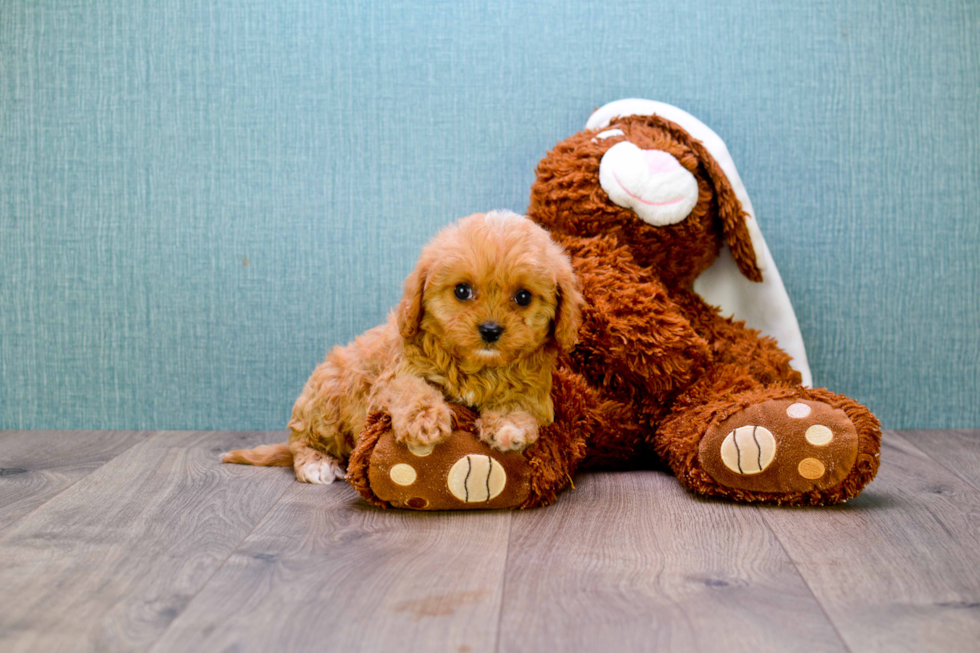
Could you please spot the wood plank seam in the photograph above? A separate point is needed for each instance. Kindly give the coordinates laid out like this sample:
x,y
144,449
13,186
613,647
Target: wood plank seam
x,y
423,576
939,461
74,483
503,584
796,568
216,570
151,523
901,573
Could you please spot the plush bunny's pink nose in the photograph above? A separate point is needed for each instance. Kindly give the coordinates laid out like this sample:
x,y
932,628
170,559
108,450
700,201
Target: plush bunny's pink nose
x,y
659,161
652,183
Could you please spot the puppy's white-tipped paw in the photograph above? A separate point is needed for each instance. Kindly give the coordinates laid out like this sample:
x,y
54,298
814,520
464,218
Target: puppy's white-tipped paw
x,y
509,437
507,431
322,471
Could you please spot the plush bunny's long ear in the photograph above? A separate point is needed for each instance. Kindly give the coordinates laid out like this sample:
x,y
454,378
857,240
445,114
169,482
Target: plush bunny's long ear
x,y
762,305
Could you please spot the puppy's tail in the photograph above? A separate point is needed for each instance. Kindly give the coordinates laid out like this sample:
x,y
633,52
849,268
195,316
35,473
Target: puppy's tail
x,y
266,455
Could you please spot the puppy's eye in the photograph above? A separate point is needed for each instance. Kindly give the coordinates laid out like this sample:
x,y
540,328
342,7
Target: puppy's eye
x,y
463,292
522,297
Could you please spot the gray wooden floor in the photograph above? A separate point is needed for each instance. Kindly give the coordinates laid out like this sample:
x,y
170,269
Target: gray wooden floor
x,y
121,540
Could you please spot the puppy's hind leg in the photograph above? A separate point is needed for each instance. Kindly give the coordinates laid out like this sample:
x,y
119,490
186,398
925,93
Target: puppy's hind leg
x,y
312,466
323,424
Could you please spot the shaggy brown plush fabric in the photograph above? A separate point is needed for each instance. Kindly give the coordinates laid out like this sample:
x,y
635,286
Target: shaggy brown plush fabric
x,y
658,374
359,463
672,367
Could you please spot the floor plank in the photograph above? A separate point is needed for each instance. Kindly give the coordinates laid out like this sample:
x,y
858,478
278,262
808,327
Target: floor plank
x,y
958,451
148,543
632,562
107,564
327,571
37,465
896,569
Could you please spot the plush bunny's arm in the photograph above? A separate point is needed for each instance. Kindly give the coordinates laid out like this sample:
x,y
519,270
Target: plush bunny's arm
x,y
631,331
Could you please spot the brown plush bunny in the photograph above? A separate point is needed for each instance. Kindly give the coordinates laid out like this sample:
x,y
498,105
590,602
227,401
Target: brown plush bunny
x,y
648,204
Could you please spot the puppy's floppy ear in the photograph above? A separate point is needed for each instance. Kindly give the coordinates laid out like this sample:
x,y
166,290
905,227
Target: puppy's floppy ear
x,y
409,313
568,313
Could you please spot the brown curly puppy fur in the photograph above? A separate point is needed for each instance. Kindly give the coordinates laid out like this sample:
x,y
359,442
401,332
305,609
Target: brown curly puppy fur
x,y
489,306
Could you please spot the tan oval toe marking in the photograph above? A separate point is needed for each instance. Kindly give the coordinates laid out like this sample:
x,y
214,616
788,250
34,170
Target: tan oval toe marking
x,y
476,477
748,450
798,410
819,435
421,450
402,474
811,468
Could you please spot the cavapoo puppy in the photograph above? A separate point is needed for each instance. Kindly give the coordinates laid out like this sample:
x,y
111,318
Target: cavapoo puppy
x,y
488,307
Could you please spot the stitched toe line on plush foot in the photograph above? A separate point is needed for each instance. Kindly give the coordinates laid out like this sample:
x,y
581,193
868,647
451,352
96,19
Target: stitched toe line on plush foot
x,y
781,445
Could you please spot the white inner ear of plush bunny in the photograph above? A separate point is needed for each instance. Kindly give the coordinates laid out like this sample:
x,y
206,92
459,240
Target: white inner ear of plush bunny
x,y
609,133
650,182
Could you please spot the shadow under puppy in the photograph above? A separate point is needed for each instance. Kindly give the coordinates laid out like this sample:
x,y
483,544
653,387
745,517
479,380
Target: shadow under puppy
x,y
485,313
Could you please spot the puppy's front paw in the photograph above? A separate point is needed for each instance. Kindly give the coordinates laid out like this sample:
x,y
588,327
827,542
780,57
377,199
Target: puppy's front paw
x,y
425,423
507,431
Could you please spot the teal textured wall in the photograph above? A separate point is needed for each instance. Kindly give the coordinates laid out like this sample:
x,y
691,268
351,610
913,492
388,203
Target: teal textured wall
x,y
199,198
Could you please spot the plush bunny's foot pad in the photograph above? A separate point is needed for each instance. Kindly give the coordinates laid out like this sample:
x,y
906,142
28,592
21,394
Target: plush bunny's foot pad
x,y
781,445
462,473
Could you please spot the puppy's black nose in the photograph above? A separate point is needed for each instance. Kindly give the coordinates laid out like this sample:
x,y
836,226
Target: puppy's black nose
x,y
490,331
